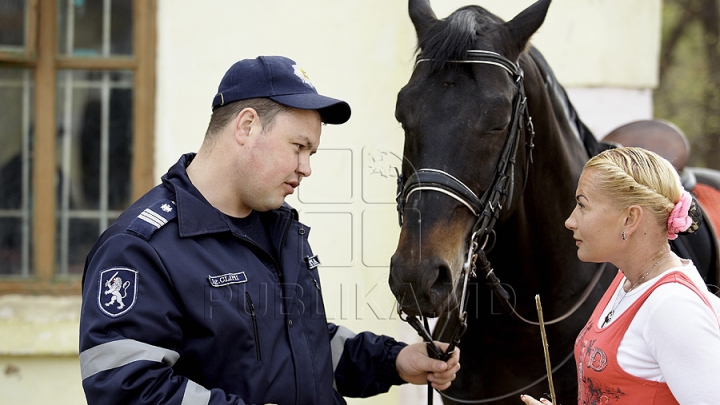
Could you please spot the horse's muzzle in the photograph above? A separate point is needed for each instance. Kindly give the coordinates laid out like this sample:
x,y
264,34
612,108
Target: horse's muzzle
x,y
425,288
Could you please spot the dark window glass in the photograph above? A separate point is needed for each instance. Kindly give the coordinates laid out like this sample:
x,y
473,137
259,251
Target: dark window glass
x,y
121,27
83,234
13,17
94,144
95,28
16,88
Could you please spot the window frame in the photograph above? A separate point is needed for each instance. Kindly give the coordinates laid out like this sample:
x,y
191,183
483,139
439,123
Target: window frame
x,y
41,55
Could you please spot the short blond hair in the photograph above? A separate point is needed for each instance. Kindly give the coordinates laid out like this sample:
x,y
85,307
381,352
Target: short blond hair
x,y
637,176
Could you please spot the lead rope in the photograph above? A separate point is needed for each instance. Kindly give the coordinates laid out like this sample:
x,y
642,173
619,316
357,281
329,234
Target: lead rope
x,y
433,350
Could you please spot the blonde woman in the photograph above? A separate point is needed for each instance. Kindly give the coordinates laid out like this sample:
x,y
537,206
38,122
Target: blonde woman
x,y
654,337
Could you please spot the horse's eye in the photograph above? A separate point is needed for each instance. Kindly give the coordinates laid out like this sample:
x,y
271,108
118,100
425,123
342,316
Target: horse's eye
x,y
498,129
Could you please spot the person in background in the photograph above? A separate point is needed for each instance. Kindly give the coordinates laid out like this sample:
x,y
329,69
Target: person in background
x,y
669,141
206,291
653,338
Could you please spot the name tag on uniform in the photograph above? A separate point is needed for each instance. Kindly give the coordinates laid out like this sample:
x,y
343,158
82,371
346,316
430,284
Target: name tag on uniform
x,y
227,279
312,261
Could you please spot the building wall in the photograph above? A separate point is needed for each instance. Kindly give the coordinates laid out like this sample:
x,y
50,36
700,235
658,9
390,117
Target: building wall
x,y
39,350
604,52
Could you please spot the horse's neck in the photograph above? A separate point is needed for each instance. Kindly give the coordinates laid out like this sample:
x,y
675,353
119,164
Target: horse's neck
x,y
538,223
571,127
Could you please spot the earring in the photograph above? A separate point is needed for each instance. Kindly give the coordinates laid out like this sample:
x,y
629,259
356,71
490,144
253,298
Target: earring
x,y
624,236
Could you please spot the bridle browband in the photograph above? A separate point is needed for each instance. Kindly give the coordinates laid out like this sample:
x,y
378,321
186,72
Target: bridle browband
x,y
485,209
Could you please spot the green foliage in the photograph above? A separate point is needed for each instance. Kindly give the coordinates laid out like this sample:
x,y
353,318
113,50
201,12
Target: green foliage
x,y
686,89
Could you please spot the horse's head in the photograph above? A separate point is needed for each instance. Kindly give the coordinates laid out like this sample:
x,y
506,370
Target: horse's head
x,y
460,111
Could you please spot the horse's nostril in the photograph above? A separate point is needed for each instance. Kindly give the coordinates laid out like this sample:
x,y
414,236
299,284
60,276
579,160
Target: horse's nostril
x,y
442,284
444,277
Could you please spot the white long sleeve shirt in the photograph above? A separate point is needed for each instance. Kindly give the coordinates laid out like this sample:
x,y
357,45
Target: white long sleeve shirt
x,y
674,338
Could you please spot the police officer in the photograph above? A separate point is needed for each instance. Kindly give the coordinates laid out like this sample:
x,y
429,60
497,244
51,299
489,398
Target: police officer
x,y
206,291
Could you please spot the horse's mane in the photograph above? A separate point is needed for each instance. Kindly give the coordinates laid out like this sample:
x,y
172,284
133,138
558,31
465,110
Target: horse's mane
x,y
563,108
449,39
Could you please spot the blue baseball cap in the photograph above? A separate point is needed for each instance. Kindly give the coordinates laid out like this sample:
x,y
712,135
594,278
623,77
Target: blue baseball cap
x,y
279,79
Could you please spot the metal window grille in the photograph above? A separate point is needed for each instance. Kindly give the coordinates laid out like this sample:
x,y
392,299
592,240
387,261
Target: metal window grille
x,y
16,86
92,107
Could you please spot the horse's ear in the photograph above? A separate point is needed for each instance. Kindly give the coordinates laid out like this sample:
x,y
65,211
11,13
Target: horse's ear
x,y
524,25
422,16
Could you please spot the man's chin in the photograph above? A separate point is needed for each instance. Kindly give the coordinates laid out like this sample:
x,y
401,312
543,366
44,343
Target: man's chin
x,y
270,205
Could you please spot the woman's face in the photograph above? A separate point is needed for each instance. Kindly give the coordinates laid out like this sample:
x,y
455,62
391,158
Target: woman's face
x,y
597,225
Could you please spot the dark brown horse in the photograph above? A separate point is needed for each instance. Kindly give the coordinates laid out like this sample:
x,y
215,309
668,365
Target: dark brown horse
x,y
480,177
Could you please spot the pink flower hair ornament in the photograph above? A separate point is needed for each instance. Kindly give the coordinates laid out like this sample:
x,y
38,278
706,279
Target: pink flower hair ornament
x,y
679,220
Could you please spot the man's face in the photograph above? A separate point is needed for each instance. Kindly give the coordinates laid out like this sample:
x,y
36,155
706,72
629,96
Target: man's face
x,y
278,158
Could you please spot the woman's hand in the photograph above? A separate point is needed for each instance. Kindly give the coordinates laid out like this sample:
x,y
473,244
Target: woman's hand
x,y
532,401
414,366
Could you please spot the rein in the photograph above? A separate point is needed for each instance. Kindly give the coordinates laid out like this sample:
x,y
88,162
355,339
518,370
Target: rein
x,y
485,209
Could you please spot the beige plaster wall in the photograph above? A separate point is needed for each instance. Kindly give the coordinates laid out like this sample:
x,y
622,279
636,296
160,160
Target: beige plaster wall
x,y
38,350
363,51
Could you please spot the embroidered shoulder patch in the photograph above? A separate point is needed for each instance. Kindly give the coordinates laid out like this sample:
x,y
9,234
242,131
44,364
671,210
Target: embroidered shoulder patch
x,y
153,218
118,290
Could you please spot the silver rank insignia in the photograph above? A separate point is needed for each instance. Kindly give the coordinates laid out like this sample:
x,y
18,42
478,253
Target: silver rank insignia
x,y
312,261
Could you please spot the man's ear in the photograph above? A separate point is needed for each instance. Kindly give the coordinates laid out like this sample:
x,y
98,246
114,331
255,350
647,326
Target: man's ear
x,y
633,217
246,122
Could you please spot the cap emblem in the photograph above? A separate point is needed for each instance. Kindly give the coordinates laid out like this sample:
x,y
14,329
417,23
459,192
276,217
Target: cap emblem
x,y
300,72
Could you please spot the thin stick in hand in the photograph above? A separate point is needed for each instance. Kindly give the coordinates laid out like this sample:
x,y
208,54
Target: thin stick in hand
x,y
548,367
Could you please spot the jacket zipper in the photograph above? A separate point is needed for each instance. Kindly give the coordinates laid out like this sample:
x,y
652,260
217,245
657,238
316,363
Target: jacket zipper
x,y
282,246
283,239
255,327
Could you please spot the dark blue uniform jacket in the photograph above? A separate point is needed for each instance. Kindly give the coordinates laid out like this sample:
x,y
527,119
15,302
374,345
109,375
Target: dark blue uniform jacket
x,y
180,307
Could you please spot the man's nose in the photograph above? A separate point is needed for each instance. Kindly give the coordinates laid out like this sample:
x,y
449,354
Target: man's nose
x,y
303,167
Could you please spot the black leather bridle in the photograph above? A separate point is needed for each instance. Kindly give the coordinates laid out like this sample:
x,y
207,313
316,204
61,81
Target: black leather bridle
x,y
485,209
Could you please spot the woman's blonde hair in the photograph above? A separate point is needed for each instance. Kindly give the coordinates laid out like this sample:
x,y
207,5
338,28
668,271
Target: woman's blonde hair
x,y
637,176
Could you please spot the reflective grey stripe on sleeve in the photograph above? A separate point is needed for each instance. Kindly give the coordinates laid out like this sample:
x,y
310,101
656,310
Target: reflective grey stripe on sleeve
x,y
121,352
337,346
195,394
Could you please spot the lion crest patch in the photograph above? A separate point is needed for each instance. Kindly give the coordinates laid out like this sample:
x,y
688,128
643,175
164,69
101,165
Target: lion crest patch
x,y
118,290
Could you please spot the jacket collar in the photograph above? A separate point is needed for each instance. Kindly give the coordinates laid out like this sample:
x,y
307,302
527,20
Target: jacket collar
x,y
195,214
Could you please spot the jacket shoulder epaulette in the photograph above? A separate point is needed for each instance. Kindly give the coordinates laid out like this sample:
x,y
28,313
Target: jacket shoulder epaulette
x,y
153,218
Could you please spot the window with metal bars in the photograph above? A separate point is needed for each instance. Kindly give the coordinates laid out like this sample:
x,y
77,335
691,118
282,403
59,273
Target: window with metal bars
x,y
75,137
